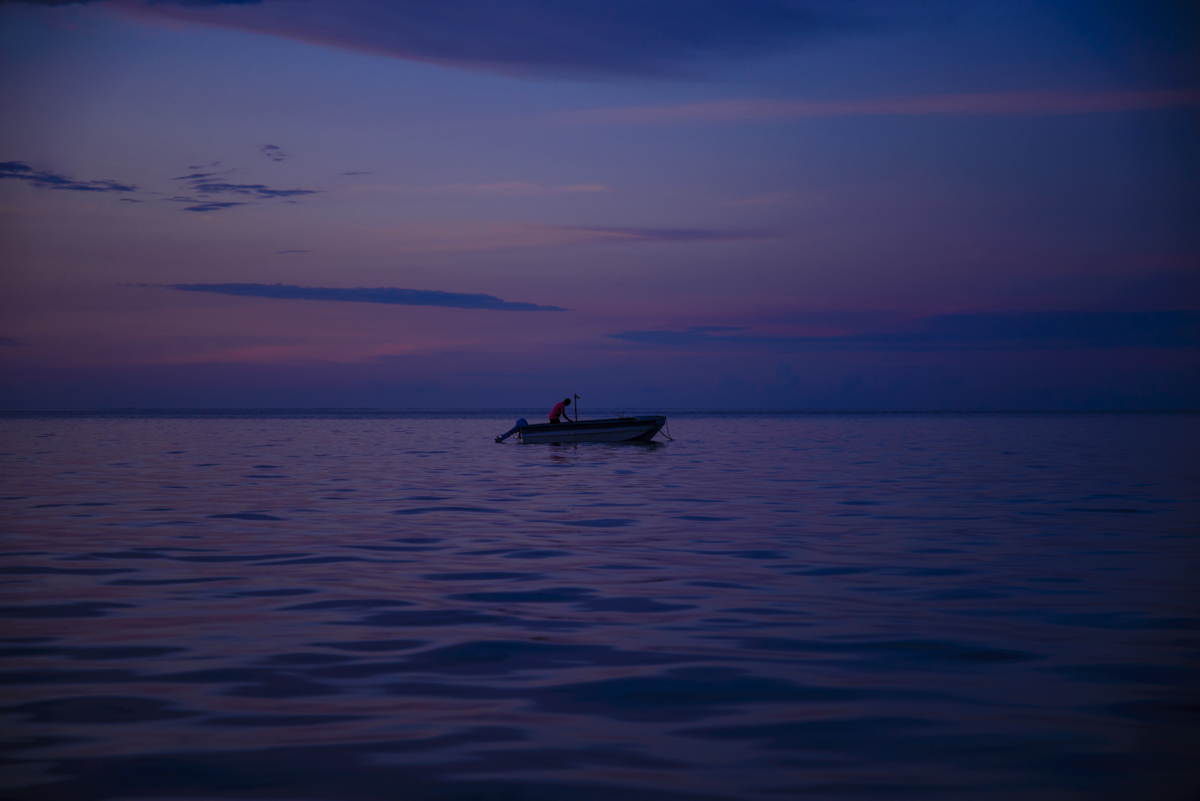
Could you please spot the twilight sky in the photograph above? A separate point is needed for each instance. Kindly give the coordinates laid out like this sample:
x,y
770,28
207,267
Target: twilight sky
x,y
652,203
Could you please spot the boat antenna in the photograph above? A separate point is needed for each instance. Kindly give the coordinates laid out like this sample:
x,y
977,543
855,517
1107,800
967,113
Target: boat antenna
x,y
576,408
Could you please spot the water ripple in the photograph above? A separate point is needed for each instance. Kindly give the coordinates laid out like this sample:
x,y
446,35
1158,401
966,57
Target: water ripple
x,y
818,606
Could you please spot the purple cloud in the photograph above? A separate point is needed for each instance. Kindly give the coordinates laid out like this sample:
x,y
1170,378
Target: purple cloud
x,y
1004,331
214,206
50,180
677,234
204,188
632,37
385,295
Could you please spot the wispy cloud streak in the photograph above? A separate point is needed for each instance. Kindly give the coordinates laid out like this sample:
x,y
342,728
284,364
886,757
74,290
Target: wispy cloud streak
x,y
512,189
499,189
430,238
206,191
386,295
253,190
204,188
1000,103
675,234
50,180
1010,331
201,184
213,206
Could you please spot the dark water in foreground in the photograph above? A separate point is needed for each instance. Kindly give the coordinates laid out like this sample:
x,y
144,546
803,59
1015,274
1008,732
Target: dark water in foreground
x,y
821,606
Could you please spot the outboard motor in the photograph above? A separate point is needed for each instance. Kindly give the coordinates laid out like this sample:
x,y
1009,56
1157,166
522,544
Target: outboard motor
x,y
520,424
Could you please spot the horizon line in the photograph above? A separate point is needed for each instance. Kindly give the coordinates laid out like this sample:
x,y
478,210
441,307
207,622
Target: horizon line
x,y
601,409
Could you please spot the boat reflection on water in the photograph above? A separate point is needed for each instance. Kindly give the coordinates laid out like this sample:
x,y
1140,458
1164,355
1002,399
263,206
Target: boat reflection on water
x,y
614,429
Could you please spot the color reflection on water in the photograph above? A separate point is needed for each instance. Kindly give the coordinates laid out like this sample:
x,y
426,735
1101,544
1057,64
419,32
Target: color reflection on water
x,y
826,606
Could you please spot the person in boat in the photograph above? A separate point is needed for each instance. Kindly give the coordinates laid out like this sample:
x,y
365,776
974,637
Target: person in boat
x,y
560,410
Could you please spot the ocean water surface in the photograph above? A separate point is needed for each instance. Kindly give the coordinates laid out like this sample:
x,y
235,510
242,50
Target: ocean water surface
x,y
392,606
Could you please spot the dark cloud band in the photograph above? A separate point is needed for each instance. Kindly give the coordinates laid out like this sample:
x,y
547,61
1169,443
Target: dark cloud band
x,y
213,206
204,189
1013,331
386,295
201,184
50,180
631,37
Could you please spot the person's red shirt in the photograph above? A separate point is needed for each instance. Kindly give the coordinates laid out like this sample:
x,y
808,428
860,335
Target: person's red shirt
x,y
558,411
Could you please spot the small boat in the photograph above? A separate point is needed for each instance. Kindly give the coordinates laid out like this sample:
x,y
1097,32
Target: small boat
x,y
613,429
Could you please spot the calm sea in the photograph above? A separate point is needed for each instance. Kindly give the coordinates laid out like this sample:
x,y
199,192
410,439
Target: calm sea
x,y
391,606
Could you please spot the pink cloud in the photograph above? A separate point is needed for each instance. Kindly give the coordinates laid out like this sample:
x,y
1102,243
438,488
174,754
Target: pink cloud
x,y
444,237
515,189
503,189
999,103
348,352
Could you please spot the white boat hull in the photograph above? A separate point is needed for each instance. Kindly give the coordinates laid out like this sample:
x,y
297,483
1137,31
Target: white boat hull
x,y
619,429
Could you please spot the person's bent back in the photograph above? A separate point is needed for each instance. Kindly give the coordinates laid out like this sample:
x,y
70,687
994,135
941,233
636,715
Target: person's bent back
x,y
560,410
